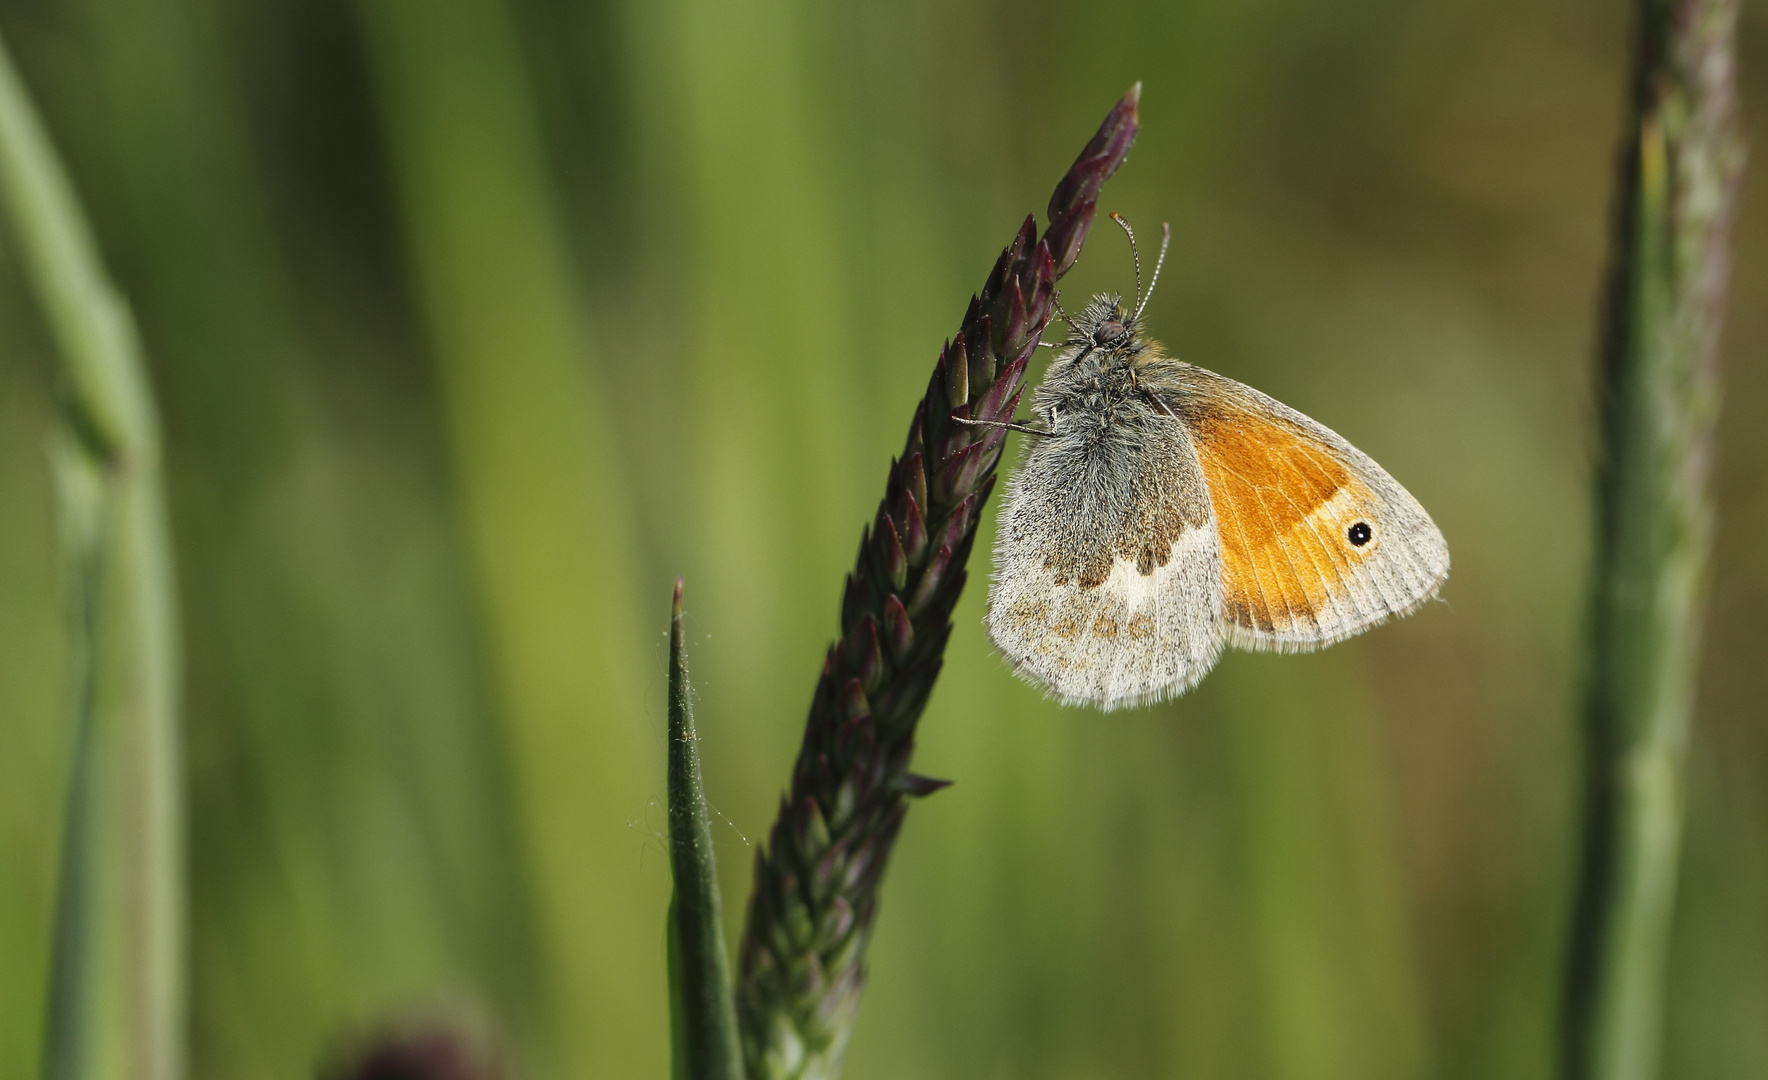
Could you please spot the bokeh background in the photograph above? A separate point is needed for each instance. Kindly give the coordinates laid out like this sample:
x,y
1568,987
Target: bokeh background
x,y
475,322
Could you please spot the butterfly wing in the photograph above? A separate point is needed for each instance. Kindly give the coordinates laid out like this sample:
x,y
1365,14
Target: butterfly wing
x,y
1317,541
1107,588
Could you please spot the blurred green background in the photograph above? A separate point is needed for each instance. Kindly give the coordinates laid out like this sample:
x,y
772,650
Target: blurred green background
x,y
474,322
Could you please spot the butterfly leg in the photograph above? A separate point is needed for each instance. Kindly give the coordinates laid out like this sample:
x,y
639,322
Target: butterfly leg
x,y
1154,399
1005,424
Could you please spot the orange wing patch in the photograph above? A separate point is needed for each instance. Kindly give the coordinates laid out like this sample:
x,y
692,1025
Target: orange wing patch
x,y
1283,506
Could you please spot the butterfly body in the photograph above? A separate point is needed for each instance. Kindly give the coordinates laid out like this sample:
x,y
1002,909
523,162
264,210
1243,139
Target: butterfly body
x,y
1169,511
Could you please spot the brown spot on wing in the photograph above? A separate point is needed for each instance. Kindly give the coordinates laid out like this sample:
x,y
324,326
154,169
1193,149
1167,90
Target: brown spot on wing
x,y
1276,491
1164,517
1141,530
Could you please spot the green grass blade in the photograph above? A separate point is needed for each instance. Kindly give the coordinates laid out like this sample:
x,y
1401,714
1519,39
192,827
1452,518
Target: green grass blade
x,y
75,1036
1679,186
702,1015
118,980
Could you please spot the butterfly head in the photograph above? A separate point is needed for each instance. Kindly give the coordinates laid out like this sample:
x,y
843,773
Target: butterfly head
x,y
1107,330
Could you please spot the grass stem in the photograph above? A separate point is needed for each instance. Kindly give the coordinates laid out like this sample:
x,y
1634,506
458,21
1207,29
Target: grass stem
x,y
118,979
1680,178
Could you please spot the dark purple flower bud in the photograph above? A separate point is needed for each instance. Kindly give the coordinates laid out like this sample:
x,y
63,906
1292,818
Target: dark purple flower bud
x,y
1067,233
1079,188
1002,398
899,631
1022,245
855,599
934,410
957,477
1009,321
956,367
893,564
1043,294
930,580
808,980
907,694
974,311
796,922
838,920
858,864
865,654
813,831
838,1007
991,442
961,520
830,868
853,699
1006,265
912,476
919,786
825,775
979,340
914,528
855,741
1101,156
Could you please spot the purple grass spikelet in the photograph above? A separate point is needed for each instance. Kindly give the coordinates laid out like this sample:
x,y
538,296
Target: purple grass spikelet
x,y
801,964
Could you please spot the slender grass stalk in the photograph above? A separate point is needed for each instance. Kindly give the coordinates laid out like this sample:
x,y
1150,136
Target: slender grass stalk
x,y
702,1019
1680,177
802,959
117,994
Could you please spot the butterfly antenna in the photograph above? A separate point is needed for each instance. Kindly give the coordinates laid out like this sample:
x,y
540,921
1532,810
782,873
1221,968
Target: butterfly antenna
x,y
1135,254
1166,237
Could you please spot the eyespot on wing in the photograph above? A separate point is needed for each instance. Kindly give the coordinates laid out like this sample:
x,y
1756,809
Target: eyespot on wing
x,y
1318,541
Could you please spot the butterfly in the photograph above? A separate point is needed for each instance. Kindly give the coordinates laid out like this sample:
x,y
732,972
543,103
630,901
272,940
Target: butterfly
x,y
1163,512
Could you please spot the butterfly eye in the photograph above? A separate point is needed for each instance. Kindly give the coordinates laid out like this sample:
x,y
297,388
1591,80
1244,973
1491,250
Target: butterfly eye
x,y
1360,533
1109,332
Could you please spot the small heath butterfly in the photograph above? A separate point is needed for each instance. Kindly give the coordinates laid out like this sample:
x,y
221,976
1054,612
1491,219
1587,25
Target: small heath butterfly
x,y
1162,511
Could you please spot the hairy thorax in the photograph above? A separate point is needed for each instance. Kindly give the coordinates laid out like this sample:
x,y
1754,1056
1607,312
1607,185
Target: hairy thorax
x,y
1098,385
1114,480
